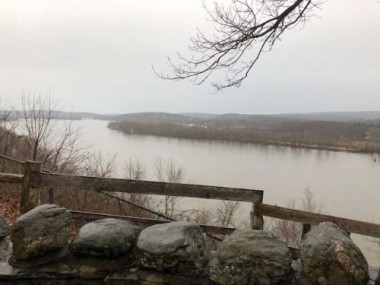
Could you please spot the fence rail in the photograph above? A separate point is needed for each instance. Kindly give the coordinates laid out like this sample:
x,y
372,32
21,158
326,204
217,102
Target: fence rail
x,y
11,178
38,179
351,226
34,178
146,222
11,159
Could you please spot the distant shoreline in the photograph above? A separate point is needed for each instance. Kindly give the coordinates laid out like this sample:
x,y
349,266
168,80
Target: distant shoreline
x,y
363,149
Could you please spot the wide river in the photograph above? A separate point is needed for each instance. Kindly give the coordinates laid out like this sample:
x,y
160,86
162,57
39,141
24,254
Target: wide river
x,y
347,184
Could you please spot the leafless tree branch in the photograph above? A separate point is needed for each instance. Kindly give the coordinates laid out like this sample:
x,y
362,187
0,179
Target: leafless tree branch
x,y
239,27
56,145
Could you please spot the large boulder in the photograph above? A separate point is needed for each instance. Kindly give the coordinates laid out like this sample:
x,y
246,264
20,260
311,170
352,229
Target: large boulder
x,y
328,256
41,232
177,247
251,257
4,228
107,238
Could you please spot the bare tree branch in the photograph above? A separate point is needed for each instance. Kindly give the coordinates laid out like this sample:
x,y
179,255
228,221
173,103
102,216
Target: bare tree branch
x,y
239,27
55,145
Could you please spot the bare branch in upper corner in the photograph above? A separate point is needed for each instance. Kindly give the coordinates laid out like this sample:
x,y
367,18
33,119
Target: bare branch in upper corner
x,y
242,32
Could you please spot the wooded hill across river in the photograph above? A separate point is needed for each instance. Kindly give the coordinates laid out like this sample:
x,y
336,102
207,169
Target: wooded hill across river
x,y
342,131
346,131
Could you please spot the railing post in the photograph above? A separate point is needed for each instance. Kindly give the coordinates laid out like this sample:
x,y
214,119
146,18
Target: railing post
x,y
257,221
30,197
305,229
51,195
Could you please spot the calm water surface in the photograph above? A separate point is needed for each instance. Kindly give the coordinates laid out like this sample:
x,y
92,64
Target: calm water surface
x,y
346,183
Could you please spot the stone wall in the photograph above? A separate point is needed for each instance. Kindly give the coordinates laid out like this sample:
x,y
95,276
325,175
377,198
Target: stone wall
x,y
111,251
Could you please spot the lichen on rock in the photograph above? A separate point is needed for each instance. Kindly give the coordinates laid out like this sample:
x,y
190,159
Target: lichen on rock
x,y
329,256
41,232
177,247
251,257
106,238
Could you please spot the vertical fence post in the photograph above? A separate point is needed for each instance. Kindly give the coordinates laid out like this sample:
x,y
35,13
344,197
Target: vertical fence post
x,y
257,221
30,197
305,229
51,195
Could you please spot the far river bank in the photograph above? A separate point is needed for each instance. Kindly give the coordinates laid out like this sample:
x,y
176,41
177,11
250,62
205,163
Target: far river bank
x,y
259,139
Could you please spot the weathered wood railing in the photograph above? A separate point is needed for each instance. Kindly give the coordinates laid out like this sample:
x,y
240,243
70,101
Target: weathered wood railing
x,y
38,179
306,218
34,178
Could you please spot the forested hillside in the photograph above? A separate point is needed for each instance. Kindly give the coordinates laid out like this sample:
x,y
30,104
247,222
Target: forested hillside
x,y
349,136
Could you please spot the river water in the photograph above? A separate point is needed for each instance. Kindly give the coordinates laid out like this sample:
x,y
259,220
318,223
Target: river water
x,y
347,184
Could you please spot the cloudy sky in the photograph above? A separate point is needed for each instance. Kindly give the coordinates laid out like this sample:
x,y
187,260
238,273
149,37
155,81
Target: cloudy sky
x,y
97,55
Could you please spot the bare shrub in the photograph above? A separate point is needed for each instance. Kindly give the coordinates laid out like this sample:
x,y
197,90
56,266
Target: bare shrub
x,y
169,171
98,165
226,213
44,139
135,170
203,216
292,231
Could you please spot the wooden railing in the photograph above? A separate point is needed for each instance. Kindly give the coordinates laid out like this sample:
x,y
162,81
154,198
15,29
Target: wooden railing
x,y
34,178
308,219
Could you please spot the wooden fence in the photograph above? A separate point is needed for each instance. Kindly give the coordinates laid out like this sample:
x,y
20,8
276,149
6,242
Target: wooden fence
x,y
33,178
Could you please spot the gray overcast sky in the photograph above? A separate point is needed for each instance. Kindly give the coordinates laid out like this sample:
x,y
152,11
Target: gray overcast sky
x,y
96,56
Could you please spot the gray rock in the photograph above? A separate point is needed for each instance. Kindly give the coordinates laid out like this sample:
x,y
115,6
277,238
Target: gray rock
x,y
4,228
5,250
177,247
328,256
251,257
107,238
43,231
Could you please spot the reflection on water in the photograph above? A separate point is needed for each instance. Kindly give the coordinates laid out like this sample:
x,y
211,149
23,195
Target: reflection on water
x,y
346,183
